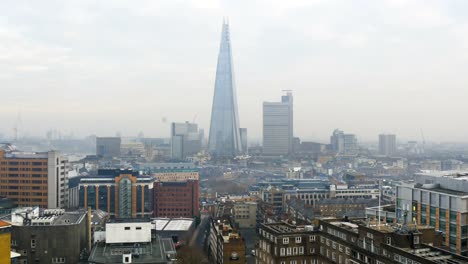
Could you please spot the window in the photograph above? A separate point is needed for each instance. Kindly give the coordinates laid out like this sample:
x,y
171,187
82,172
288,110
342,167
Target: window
x,y
294,250
334,245
370,235
298,239
311,238
286,240
288,251
389,240
301,250
138,228
348,251
293,262
282,251
127,228
33,243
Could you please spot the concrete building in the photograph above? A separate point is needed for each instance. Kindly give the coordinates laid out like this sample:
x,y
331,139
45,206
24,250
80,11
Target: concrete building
x,y
108,147
34,178
121,193
245,214
244,141
186,140
343,144
49,236
387,144
180,230
278,126
132,241
438,199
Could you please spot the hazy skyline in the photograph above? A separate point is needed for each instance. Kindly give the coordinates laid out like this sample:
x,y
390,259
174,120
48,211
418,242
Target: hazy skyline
x,y
366,67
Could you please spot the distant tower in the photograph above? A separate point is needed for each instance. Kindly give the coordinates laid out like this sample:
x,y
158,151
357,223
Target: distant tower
x,y
278,126
387,144
224,138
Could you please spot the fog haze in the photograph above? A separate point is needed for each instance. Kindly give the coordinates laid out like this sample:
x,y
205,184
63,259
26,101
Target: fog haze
x,y
366,67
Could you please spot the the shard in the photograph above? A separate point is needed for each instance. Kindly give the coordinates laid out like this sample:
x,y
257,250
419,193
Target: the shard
x,y
224,139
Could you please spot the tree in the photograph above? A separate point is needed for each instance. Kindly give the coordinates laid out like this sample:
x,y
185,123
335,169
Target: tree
x,y
191,255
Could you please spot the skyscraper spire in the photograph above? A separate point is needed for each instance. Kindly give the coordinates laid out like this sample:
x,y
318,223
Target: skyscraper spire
x,y
224,139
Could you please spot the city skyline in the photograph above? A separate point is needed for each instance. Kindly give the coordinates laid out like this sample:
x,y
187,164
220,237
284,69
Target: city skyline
x,y
67,67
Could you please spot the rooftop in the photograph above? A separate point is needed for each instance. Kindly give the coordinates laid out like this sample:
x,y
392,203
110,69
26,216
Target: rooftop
x,y
437,255
285,228
34,216
160,250
176,224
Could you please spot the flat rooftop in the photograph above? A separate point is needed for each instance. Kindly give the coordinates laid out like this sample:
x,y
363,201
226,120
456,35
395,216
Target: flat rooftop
x,y
437,255
159,250
284,228
174,224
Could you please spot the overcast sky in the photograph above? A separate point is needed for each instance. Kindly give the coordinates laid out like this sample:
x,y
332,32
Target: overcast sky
x,y
98,67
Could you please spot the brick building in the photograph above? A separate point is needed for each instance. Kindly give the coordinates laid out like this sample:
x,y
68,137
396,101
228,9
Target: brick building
x,y
176,199
345,241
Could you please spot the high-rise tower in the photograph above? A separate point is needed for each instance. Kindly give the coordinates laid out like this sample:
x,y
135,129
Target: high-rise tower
x,y
224,139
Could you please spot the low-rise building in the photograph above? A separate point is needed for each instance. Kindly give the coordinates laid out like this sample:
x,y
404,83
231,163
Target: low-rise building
x,y
49,236
245,214
132,241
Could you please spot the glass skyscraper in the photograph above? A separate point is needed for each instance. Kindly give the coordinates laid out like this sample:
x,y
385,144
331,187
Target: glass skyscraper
x,y
224,138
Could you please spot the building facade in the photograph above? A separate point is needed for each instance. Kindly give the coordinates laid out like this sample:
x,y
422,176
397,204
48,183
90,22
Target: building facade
x,y
345,241
278,126
50,236
387,144
121,193
34,178
224,138
108,147
5,242
186,140
440,200
343,144
176,199
245,214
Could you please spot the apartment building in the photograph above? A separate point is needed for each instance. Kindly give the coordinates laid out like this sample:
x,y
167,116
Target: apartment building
x,y
345,241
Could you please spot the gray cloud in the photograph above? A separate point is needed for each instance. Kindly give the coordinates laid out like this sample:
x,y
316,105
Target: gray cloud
x,y
363,66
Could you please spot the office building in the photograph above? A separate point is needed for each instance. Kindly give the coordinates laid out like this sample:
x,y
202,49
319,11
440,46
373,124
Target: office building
x,y
224,138
34,178
176,193
387,144
245,214
343,144
244,142
108,147
278,126
186,140
121,193
438,199
49,236
132,241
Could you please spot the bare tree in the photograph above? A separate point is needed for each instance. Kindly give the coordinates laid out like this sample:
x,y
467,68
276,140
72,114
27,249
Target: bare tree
x,y
191,255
